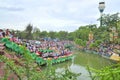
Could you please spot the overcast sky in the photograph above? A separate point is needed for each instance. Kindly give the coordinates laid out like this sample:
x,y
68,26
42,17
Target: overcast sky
x,y
52,15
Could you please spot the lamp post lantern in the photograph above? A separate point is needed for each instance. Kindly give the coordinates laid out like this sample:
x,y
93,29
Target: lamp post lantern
x,y
101,9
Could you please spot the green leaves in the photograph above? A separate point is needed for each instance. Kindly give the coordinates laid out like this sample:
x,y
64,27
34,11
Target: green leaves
x,y
80,42
107,73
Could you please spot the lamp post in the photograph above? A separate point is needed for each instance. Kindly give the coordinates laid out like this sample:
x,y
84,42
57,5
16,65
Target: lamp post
x,y
101,9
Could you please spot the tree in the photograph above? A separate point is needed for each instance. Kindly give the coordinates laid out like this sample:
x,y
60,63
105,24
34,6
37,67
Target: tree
x,y
52,34
80,42
36,33
62,35
44,34
28,31
71,36
82,33
118,26
110,20
92,26
17,33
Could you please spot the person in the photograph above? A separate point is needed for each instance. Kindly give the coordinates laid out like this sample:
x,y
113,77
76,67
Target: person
x,y
7,32
1,33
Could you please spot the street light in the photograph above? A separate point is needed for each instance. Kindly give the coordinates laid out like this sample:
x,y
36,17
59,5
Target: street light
x,y
101,9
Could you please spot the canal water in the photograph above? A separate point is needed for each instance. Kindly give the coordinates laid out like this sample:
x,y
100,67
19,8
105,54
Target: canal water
x,y
80,62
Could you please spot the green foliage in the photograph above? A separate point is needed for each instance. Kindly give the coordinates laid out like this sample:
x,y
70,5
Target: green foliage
x,y
110,20
16,69
28,31
80,42
62,35
43,34
118,41
29,28
82,33
51,74
36,33
52,34
93,45
28,69
98,42
71,36
107,73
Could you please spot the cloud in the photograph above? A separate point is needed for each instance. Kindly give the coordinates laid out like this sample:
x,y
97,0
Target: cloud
x,y
52,14
11,8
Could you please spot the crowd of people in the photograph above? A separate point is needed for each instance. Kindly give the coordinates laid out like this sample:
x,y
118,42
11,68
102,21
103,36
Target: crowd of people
x,y
45,48
56,48
106,49
5,33
109,49
49,48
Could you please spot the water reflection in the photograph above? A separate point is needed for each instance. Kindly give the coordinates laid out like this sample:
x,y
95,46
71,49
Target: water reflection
x,y
75,69
91,60
79,63
80,69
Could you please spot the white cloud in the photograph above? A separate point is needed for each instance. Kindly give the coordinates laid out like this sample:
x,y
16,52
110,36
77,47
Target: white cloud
x,y
52,14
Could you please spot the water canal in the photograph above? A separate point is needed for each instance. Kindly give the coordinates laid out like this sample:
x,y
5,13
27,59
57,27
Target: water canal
x,y
80,62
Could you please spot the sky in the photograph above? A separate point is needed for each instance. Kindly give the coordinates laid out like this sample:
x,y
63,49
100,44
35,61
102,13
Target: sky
x,y
53,15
